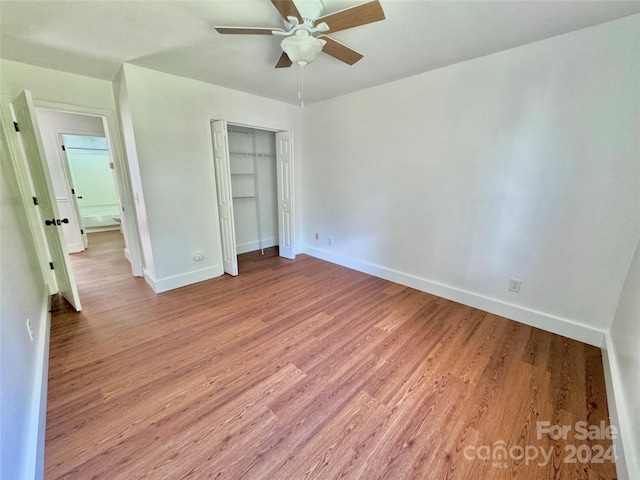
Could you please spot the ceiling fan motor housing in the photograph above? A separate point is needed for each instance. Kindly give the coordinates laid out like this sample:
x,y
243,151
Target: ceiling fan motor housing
x,y
310,10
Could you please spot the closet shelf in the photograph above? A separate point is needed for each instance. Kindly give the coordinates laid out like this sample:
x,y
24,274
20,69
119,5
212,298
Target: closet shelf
x,y
253,154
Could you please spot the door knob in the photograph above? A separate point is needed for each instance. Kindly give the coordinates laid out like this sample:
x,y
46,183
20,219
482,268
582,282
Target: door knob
x,y
53,221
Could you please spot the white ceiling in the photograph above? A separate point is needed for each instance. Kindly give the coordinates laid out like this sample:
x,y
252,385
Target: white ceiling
x,y
95,37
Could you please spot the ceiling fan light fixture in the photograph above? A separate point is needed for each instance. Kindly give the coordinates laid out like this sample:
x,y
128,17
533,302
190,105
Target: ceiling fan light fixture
x,y
302,49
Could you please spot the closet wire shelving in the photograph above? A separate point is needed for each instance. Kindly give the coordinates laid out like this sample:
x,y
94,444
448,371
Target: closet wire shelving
x,y
256,182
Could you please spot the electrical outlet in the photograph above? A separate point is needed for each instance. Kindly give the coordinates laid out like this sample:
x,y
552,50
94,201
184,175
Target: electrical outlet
x,y
317,236
514,285
331,241
198,256
29,329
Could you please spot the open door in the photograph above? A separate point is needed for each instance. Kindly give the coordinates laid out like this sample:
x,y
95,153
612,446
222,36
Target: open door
x,y
33,152
225,198
66,199
284,162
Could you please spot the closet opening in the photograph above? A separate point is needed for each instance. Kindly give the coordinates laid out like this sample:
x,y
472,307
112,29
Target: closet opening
x,y
252,162
254,183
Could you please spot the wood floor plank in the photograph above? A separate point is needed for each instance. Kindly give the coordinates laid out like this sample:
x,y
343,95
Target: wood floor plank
x,y
304,370
220,433
323,456
305,414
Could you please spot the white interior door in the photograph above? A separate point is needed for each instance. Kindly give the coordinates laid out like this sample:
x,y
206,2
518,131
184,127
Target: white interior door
x,y
225,197
78,227
284,162
33,152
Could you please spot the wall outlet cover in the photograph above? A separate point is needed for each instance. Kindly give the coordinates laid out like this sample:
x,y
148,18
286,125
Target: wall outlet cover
x,y
514,285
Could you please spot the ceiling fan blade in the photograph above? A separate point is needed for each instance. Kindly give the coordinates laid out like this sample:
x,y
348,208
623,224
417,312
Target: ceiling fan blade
x,y
353,17
340,51
248,30
284,61
287,9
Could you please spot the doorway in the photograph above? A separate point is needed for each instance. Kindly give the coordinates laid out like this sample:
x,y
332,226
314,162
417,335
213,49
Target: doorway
x,y
46,220
254,180
80,142
93,183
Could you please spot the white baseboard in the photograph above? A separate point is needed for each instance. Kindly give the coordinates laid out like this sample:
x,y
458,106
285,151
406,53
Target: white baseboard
x,y
177,281
551,323
38,413
253,246
150,278
627,462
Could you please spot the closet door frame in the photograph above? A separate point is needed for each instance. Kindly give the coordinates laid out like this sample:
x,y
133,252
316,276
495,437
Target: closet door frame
x,y
285,183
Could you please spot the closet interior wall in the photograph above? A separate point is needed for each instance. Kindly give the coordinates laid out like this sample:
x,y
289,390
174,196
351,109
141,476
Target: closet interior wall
x,y
252,156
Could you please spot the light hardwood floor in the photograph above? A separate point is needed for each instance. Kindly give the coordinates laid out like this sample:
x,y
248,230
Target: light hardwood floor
x,y
303,369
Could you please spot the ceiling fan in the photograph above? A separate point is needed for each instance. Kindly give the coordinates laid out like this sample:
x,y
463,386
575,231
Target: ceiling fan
x,y
304,26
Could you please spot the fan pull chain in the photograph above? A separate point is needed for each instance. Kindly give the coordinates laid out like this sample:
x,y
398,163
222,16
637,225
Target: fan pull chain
x,y
301,87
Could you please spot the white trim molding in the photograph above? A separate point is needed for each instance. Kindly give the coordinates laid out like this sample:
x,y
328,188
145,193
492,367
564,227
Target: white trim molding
x,y
170,283
626,466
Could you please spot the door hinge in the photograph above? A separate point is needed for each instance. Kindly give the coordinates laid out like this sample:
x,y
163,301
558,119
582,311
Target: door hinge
x,y
35,200
73,192
81,232
51,265
15,125
64,148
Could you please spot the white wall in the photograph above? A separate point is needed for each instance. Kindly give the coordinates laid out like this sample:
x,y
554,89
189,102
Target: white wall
x,y
623,347
126,130
170,122
23,295
54,86
520,164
